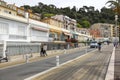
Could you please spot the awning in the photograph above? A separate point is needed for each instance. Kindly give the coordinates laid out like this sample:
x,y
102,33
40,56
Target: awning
x,y
59,42
40,29
74,33
55,30
66,33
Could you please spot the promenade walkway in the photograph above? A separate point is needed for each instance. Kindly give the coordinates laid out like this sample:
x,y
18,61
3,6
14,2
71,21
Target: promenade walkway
x,y
117,64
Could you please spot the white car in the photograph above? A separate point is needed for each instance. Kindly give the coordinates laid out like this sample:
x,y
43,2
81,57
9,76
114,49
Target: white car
x,y
93,44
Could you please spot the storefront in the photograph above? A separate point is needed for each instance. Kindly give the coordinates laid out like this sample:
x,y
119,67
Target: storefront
x,y
66,34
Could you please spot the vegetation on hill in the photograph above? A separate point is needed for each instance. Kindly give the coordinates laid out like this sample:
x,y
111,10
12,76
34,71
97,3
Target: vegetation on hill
x,y
85,16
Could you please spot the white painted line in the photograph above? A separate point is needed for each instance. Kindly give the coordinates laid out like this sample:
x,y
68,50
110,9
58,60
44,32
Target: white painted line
x,y
110,71
34,76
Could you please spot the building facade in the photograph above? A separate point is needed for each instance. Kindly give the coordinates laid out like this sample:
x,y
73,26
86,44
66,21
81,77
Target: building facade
x,y
22,32
19,32
102,30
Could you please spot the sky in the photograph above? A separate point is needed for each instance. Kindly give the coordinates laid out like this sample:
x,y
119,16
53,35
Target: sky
x,y
98,4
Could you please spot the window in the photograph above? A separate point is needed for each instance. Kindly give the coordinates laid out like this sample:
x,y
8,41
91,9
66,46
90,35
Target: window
x,y
9,12
21,30
106,28
38,33
21,12
6,11
17,32
3,28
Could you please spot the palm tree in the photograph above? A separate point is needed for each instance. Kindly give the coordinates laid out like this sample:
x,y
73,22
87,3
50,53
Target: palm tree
x,y
115,5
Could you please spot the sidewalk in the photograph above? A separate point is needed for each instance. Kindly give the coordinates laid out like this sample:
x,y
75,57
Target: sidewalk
x,y
21,59
117,64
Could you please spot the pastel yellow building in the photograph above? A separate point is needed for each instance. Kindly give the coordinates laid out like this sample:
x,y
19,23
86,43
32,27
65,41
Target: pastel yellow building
x,y
53,22
55,28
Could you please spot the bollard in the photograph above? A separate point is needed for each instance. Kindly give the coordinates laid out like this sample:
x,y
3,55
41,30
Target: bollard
x,y
27,58
57,60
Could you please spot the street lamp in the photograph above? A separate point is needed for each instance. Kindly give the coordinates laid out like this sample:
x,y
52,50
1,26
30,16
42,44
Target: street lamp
x,y
116,18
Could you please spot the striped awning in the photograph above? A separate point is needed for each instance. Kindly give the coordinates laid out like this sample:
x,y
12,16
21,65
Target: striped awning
x,y
40,29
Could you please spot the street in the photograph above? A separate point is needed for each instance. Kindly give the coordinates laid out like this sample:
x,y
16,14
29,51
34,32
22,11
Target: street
x,y
26,70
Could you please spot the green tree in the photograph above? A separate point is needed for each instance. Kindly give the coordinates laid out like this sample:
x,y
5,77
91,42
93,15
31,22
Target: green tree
x,y
79,26
86,24
48,15
85,13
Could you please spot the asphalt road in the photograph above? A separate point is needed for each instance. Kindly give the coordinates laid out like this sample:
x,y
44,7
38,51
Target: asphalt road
x,y
26,70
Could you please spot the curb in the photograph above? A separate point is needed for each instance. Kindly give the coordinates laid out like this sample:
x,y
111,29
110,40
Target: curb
x,y
110,71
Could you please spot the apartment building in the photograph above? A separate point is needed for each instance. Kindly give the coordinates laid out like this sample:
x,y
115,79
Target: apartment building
x,y
68,26
84,34
103,30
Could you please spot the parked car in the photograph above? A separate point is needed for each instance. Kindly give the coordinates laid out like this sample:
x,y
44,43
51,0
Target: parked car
x,y
93,44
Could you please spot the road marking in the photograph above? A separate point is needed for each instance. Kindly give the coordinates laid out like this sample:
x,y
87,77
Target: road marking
x,y
110,71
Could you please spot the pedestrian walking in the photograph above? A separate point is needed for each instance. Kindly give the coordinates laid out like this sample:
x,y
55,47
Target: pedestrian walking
x,y
99,46
41,50
45,49
115,43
